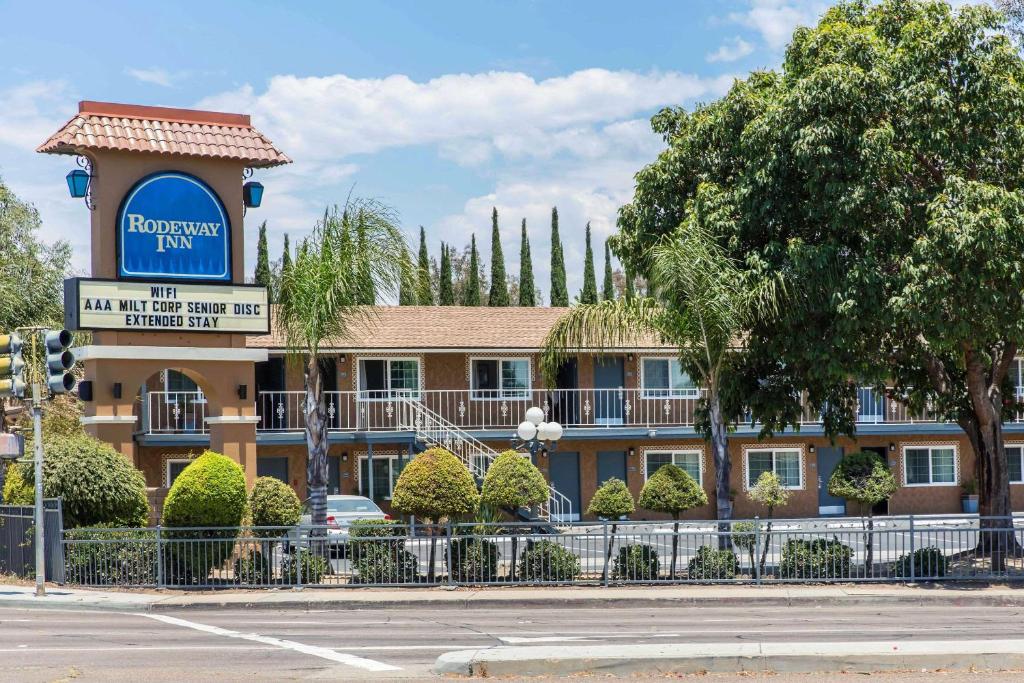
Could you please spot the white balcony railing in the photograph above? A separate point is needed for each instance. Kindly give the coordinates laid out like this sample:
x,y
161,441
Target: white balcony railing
x,y
174,412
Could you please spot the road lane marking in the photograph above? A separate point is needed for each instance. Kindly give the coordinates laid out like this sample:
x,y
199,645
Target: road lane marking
x,y
313,650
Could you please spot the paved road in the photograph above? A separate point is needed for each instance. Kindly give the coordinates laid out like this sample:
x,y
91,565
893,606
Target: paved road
x,y
279,645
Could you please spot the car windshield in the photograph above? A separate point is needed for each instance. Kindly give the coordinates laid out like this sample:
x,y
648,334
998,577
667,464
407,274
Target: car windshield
x,y
351,505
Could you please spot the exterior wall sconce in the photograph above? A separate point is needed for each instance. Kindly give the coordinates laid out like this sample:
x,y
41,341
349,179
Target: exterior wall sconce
x,y
243,391
810,448
80,182
629,357
892,447
344,457
632,452
252,194
117,390
85,390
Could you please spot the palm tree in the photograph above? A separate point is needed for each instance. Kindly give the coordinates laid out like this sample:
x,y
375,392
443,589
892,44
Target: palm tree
x,y
699,301
318,303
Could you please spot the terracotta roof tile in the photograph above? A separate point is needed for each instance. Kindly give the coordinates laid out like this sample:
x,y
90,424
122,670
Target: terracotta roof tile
x,y
442,328
131,128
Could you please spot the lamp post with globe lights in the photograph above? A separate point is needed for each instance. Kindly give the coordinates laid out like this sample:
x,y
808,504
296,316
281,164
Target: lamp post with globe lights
x,y
534,433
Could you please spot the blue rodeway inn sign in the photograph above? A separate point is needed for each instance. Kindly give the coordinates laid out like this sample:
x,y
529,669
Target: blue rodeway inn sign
x,y
173,226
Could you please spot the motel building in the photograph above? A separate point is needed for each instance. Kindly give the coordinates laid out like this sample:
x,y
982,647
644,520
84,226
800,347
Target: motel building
x,y
183,357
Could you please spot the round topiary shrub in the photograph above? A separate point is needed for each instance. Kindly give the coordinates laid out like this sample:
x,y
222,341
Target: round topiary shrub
x,y
95,482
671,489
548,561
210,492
272,503
710,564
475,560
513,481
636,563
928,563
612,500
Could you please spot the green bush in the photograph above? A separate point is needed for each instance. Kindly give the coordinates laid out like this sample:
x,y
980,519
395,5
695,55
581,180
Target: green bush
x,y
513,481
636,563
272,503
864,478
95,482
17,491
928,563
548,561
612,500
112,558
435,485
312,567
475,560
744,538
382,563
817,559
671,489
210,492
710,564
253,568
383,532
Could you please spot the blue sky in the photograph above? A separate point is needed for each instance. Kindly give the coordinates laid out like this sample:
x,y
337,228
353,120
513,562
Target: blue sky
x,y
442,109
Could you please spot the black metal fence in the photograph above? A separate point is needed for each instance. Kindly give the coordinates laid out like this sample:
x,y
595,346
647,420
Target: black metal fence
x,y
900,549
17,540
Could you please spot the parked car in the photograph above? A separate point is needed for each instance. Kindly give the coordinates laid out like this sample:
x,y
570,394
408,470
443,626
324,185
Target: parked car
x,y
342,510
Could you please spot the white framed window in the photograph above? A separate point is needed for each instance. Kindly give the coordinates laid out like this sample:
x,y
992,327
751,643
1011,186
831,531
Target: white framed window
x,y
385,378
1015,455
930,465
665,378
386,468
690,461
787,463
172,468
499,378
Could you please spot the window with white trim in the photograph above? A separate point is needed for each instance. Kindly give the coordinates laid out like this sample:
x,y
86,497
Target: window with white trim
x,y
688,461
665,378
384,378
172,468
785,462
494,378
386,468
1015,454
929,465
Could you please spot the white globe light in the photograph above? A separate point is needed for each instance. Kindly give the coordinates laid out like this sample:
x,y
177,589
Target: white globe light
x,y
535,415
526,431
543,431
554,431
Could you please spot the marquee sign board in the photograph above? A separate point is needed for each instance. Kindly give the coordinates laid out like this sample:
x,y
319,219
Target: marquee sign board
x,y
165,307
173,226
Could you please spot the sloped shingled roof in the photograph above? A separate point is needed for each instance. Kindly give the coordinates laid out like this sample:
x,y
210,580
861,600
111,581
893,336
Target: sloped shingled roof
x,y
441,328
163,130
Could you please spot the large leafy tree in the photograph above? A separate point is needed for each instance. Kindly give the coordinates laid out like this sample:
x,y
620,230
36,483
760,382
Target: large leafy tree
x,y
527,288
320,300
699,301
498,295
559,292
881,171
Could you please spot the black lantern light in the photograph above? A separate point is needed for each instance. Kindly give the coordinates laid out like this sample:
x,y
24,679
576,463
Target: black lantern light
x,y
252,194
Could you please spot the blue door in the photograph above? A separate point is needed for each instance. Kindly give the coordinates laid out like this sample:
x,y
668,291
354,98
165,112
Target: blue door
x,y
609,379
564,471
828,504
610,464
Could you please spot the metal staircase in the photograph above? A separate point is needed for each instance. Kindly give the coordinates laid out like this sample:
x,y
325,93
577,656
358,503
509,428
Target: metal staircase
x,y
433,430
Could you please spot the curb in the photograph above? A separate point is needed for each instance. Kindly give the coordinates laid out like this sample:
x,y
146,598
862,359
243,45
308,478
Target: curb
x,y
78,606
861,657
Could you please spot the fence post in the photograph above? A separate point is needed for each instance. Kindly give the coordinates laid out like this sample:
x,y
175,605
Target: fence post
x,y
607,555
757,550
159,558
448,551
297,557
913,568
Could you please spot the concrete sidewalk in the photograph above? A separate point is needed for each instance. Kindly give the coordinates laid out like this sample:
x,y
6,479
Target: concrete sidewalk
x,y
948,594
733,657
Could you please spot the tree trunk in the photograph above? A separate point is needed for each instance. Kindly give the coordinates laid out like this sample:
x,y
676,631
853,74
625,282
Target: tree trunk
x,y
608,553
869,546
675,547
316,442
723,467
767,544
433,553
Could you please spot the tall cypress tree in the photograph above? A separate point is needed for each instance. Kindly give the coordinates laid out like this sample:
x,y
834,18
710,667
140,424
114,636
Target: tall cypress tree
x,y
286,257
424,292
608,287
499,282
262,275
527,289
366,290
588,295
471,290
559,293
446,292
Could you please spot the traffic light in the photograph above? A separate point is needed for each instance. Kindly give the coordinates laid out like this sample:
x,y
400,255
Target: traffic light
x,y
12,366
59,361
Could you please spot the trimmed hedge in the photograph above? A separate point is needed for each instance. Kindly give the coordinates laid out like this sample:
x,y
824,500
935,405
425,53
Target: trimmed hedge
x,y
817,559
272,503
671,489
95,482
112,558
513,481
548,561
636,563
253,568
710,564
928,563
434,485
474,560
381,562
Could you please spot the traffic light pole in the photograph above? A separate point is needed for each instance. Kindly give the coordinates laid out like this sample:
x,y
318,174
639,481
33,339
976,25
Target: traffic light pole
x,y
37,430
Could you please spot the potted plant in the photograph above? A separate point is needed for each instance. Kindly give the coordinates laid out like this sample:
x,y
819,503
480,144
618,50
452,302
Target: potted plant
x,y
969,498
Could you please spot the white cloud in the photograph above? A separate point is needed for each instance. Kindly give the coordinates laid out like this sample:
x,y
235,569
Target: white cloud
x,y
33,111
776,19
731,50
156,76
